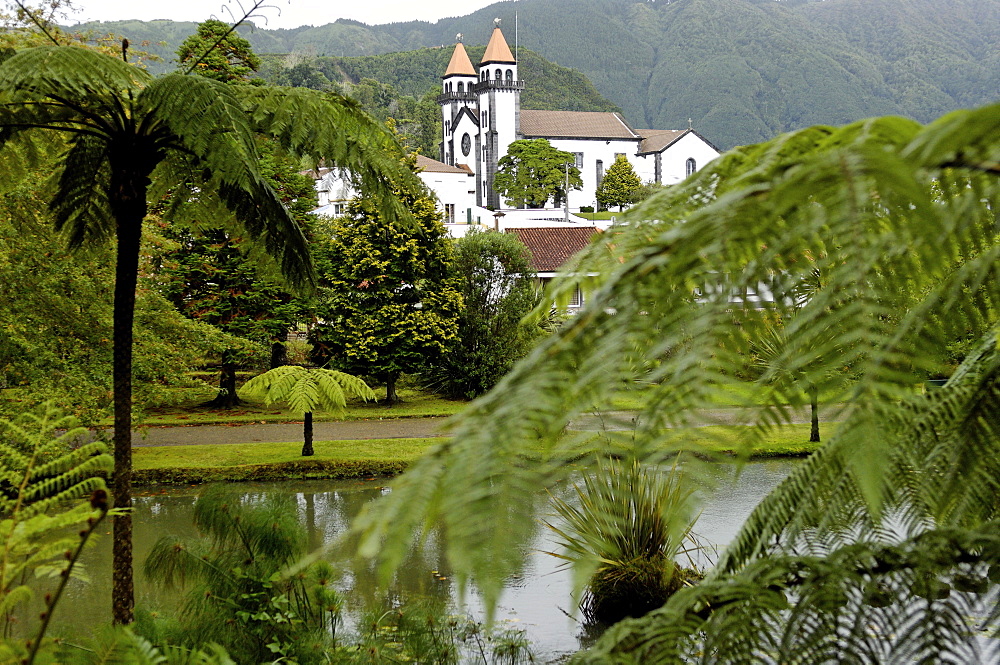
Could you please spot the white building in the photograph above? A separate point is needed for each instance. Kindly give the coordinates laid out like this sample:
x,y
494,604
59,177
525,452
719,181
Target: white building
x,y
482,115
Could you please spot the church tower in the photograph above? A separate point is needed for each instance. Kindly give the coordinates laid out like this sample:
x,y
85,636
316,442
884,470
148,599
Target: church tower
x,y
458,99
499,91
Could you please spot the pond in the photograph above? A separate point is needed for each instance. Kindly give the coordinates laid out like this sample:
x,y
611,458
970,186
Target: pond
x,y
537,600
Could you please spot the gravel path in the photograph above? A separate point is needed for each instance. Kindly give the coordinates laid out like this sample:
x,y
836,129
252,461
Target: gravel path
x,y
399,428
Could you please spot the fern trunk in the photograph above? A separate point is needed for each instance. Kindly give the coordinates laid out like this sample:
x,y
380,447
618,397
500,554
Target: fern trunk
x,y
129,209
307,435
814,414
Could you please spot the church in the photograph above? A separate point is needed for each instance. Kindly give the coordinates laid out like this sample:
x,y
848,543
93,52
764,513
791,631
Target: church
x,y
482,115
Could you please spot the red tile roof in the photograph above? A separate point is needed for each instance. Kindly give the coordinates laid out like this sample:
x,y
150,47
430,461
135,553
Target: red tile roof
x,y
551,247
434,166
566,124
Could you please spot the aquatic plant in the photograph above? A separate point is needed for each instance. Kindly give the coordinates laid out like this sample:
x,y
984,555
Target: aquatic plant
x,y
623,533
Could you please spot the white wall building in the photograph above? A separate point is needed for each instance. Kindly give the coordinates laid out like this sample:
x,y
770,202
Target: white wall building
x,y
482,115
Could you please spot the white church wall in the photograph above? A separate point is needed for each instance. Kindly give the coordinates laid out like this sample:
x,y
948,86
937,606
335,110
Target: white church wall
x,y
675,158
452,191
598,150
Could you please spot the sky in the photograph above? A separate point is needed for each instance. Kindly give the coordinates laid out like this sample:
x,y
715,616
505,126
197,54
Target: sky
x,y
279,13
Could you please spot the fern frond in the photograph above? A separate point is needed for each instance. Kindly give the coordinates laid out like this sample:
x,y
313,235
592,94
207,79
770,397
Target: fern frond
x,y
900,234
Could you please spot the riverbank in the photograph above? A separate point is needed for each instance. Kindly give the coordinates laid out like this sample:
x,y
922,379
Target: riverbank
x,y
186,464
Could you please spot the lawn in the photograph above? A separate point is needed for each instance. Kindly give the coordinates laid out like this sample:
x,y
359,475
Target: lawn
x,y
382,457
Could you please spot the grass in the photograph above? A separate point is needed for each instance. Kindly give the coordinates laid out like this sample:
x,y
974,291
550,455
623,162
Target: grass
x,y
593,216
728,395
379,457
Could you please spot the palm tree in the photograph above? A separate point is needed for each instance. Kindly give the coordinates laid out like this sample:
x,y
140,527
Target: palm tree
x,y
113,138
879,546
307,390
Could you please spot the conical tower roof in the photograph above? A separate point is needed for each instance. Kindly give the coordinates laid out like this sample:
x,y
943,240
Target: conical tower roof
x,y
460,64
497,50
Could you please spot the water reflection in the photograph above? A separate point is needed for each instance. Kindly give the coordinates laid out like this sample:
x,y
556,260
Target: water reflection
x,y
537,599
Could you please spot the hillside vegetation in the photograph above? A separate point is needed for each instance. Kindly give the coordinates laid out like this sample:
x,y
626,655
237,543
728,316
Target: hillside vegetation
x,y
742,70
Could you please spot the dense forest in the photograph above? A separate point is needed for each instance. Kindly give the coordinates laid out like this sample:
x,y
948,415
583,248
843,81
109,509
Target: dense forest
x,y
742,70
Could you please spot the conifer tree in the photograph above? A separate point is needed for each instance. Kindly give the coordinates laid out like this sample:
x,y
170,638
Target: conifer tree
x,y
388,302
619,185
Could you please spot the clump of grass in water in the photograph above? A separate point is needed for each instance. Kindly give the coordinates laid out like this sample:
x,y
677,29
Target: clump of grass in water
x,y
622,533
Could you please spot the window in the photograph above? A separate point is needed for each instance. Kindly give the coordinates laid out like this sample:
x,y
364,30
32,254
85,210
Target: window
x,y
447,126
578,160
338,209
619,155
466,144
510,76
461,87
499,75
600,171
483,74
690,166
449,213
576,300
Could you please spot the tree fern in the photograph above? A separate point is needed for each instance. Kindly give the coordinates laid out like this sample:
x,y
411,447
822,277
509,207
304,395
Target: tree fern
x,y
307,390
113,136
899,221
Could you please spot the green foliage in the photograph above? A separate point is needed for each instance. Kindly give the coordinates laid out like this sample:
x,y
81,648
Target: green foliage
x,y
493,270
43,477
622,534
218,52
900,221
389,303
424,631
55,326
307,389
532,172
241,593
619,185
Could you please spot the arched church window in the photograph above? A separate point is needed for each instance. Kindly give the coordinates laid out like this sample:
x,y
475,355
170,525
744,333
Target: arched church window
x,y
499,75
690,166
483,74
461,87
510,76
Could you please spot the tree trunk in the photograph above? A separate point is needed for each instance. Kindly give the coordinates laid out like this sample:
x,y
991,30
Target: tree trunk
x,y
814,414
128,206
307,435
391,398
279,352
226,397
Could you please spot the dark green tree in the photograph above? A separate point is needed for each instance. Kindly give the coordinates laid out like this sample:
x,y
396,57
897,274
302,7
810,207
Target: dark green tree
x,y
112,136
498,290
619,185
214,276
389,304
532,172
218,52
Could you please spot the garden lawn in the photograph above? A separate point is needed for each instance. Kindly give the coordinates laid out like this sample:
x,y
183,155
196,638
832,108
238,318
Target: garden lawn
x,y
381,457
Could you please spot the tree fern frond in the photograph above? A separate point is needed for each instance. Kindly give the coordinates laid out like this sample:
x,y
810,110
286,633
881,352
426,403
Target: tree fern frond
x,y
335,130
80,205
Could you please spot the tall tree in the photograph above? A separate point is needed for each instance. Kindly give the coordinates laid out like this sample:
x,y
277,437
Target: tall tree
x,y
495,280
217,51
389,304
619,185
532,172
113,136
894,521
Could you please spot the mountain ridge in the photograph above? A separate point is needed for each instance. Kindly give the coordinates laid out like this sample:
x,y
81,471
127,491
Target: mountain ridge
x,y
742,70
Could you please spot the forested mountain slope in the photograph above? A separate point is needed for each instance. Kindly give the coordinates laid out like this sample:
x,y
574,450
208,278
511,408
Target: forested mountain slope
x,y
742,70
